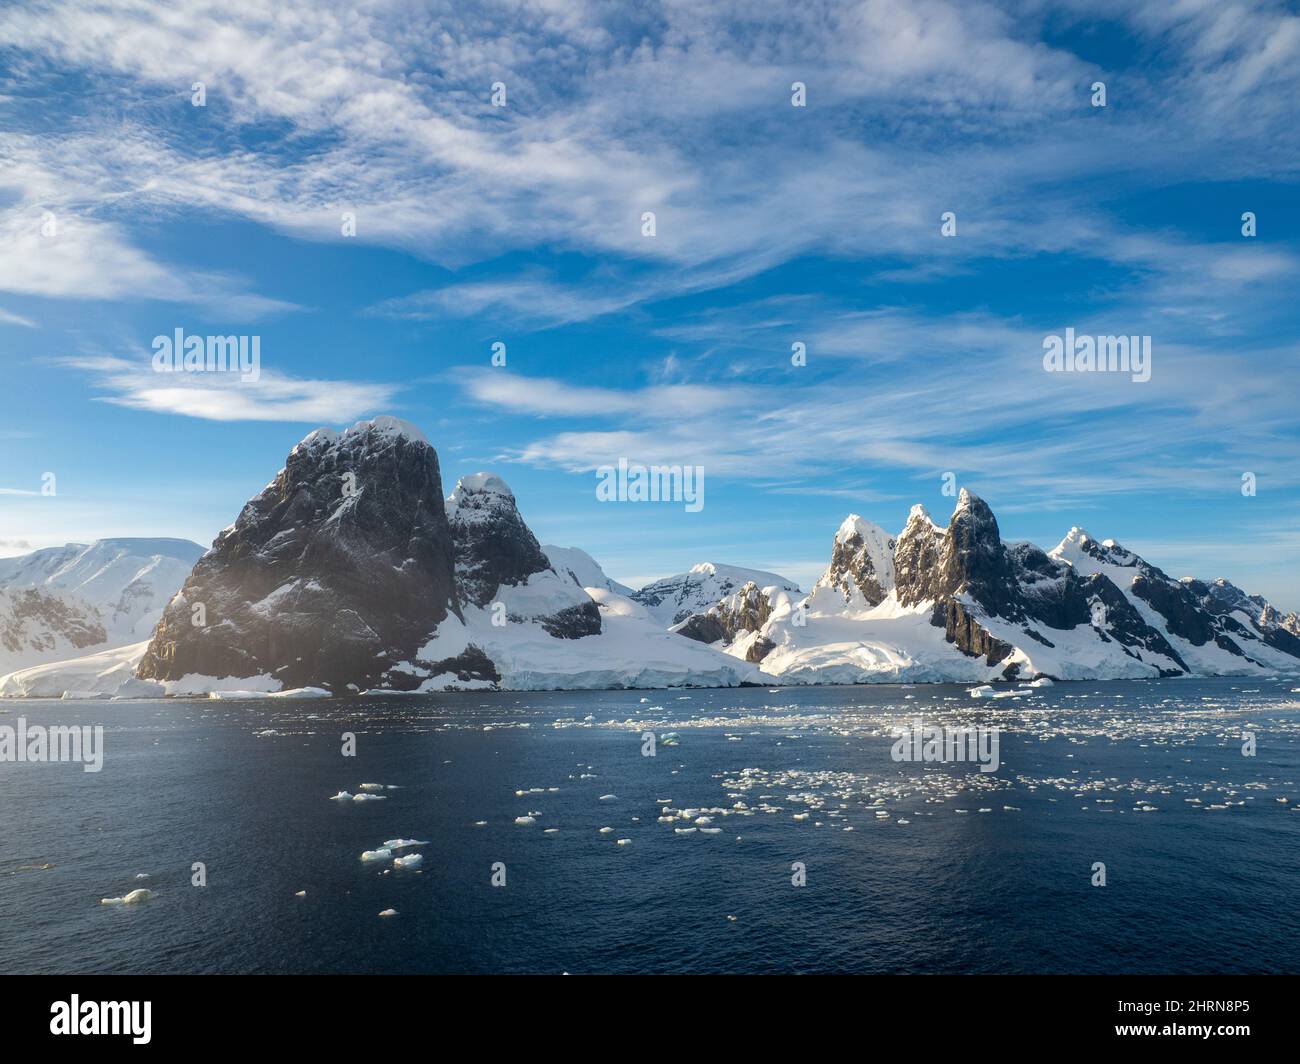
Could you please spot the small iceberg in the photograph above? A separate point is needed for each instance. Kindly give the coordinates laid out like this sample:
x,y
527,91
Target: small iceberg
x,y
389,912
135,897
411,860
382,854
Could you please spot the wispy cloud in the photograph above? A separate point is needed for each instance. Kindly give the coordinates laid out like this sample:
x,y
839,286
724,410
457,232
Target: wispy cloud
x,y
224,397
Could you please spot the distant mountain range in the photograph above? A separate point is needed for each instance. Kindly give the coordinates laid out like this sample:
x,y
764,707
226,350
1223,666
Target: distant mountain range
x,y
350,572
79,598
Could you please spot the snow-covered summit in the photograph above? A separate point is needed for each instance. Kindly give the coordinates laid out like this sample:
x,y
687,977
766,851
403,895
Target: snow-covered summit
x,y
480,491
384,425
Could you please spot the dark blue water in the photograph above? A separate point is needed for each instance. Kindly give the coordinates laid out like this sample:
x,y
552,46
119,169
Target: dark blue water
x,y
923,888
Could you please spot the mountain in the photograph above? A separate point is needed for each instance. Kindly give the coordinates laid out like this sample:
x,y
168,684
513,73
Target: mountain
x,y
81,598
959,603
675,598
351,572
582,568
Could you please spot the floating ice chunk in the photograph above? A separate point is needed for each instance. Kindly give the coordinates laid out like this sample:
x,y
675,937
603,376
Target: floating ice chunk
x,y
300,894
606,831
411,860
402,844
382,854
624,842
342,796
371,787
608,797
550,831
370,798
134,898
686,831
525,820
145,875
389,912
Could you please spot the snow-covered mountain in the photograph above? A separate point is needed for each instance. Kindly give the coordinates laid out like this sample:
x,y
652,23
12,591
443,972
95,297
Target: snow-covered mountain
x,y
78,598
957,603
351,572
583,568
675,598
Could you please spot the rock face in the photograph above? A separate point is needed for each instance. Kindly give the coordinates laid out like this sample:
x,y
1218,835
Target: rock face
x,y
496,550
493,545
78,598
745,611
1084,610
862,561
344,559
348,568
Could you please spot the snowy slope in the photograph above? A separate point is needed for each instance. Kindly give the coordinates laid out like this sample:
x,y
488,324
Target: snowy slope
x,y
631,650
583,568
674,598
63,601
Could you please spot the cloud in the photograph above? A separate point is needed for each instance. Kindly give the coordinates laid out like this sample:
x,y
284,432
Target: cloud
x,y
9,318
679,108
224,397
553,397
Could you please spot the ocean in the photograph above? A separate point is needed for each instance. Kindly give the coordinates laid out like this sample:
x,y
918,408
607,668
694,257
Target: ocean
x,y
771,831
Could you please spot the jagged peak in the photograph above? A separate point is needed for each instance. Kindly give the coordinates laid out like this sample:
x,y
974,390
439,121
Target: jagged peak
x,y
919,514
967,500
384,424
483,492
854,525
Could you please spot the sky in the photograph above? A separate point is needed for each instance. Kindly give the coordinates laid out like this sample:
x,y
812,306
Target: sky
x,y
127,212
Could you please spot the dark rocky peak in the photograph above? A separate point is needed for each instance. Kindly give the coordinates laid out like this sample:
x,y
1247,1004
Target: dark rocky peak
x,y
973,559
494,547
343,559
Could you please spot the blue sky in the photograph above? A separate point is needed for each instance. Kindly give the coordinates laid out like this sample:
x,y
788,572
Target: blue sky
x,y
774,225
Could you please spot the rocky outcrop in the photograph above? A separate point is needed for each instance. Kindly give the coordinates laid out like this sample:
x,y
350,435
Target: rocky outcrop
x,y
862,562
343,562
675,598
745,611
495,549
